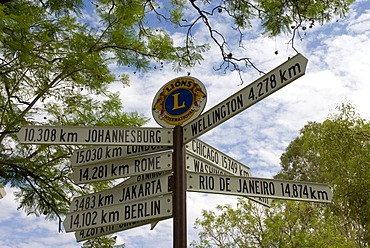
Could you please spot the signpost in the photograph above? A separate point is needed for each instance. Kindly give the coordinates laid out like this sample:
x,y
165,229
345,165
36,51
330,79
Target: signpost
x,y
123,168
148,209
138,153
71,135
246,97
269,188
99,154
122,194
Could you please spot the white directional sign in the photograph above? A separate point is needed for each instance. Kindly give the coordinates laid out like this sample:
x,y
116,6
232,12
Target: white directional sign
x,y
211,165
269,188
99,154
151,208
122,194
193,164
105,230
246,97
123,168
215,158
75,135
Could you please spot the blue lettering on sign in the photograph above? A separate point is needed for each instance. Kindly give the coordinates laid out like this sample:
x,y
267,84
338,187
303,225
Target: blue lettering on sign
x,y
179,101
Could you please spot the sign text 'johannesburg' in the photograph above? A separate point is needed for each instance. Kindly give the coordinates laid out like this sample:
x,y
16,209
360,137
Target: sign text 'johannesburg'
x,y
71,135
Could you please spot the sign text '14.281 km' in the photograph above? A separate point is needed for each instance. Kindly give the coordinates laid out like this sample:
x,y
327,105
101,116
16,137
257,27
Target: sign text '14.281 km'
x,y
246,97
71,135
126,167
250,186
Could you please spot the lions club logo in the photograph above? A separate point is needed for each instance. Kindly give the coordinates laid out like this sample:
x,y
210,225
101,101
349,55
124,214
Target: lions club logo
x,y
179,101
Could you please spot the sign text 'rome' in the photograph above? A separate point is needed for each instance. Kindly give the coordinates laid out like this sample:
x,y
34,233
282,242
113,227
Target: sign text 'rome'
x,y
126,167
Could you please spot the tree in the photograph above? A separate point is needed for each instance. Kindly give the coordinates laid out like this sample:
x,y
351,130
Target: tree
x,y
336,152
54,69
285,224
293,18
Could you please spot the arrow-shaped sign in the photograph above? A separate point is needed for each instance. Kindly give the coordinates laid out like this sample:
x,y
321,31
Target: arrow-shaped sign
x,y
76,135
259,187
123,168
100,154
122,193
246,97
215,157
206,161
105,230
151,208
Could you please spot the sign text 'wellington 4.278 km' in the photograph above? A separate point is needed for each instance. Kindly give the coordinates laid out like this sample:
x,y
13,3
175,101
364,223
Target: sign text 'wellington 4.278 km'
x,y
256,91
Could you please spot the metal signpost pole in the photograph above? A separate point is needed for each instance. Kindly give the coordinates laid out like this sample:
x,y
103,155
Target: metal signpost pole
x,y
179,190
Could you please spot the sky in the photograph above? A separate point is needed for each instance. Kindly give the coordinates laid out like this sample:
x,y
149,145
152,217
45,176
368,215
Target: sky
x,y
337,72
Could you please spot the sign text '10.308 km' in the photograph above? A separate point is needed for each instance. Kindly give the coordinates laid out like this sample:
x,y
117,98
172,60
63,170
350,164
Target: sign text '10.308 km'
x,y
246,97
249,186
71,135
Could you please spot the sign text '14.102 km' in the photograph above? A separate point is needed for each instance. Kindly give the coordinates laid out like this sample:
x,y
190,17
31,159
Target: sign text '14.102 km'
x,y
151,208
246,97
249,186
71,135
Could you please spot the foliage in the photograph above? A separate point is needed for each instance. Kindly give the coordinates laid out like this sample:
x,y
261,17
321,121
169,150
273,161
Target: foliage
x,y
253,18
55,70
285,224
336,152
